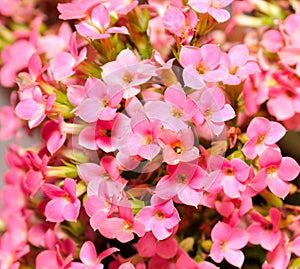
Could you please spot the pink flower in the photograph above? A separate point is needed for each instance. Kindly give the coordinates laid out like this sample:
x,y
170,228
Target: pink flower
x,y
160,218
230,175
64,64
212,109
127,72
34,106
64,205
148,246
180,23
213,8
97,27
142,140
238,64
265,232
262,134
202,64
54,135
272,40
101,102
122,227
178,147
183,181
275,172
89,258
227,242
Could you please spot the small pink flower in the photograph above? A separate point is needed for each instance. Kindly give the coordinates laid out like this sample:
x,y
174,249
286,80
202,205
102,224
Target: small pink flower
x,y
265,232
238,64
97,27
202,64
275,172
101,102
161,217
227,242
64,205
213,8
89,258
262,134
34,106
183,181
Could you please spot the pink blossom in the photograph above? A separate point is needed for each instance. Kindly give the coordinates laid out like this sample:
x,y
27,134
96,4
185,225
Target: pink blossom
x,y
34,106
275,172
64,205
122,227
15,57
54,134
238,64
101,102
212,109
175,112
230,175
142,140
97,27
184,181
227,242
64,64
262,134
160,217
10,123
272,40
202,64
89,258
265,232
127,72
215,8
180,23
149,246
178,147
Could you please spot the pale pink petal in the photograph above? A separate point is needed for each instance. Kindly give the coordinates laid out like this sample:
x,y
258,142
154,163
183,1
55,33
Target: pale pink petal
x,y
88,254
89,109
100,17
278,186
62,66
190,56
87,138
55,210
174,20
71,210
234,257
238,55
220,15
118,30
216,75
200,6
216,253
159,230
288,169
276,132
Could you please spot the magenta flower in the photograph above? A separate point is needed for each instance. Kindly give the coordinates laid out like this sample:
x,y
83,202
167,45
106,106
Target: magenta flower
x,y
97,27
202,64
227,242
183,181
64,205
160,217
89,258
238,64
215,8
265,232
275,172
101,102
262,134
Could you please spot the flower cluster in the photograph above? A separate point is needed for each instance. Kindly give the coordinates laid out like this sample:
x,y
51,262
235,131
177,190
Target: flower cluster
x,y
159,136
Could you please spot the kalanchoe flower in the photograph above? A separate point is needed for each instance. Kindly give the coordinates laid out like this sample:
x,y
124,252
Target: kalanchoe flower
x,y
64,205
89,258
101,103
215,8
262,134
275,172
227,243
265,232
161,217
97,27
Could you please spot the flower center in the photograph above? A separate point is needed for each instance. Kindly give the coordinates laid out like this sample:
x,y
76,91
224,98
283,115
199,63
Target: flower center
x,y
177,148
182,179
271,170
159,215
177,113
148,140
201,69
127,226
228,171
127,78
260,139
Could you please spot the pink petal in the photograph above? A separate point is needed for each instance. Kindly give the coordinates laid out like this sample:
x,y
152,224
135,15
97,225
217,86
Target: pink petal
x,y
211,55
278,186
176,96
167,249
200,6
71,211
220,15
216,253
174,20
87,138
234,257
248,69
276,132
288,169
107,253
118,30
216,75
190,56
147,245
88,254
100,17
238,55
89,109
54,211
62,66
159,230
